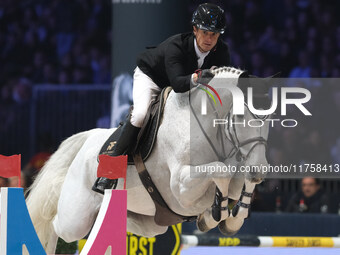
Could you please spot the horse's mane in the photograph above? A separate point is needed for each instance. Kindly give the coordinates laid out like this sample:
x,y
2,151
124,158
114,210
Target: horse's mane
x,y
227,72
260,88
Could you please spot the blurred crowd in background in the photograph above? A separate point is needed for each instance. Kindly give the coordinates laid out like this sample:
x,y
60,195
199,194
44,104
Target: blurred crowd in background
x,y
48,42
300,39
69,42
59,42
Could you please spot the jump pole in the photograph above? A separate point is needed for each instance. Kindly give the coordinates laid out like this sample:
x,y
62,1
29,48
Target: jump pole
x,y
260,241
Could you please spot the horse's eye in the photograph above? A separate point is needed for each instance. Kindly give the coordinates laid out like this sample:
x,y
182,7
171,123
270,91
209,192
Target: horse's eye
x,y
261,117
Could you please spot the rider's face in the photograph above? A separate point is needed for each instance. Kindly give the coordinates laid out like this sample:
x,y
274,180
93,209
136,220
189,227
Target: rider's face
x,y
309,186
206,40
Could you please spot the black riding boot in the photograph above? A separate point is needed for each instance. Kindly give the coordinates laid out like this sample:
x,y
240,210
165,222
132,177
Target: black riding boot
x,y
123,144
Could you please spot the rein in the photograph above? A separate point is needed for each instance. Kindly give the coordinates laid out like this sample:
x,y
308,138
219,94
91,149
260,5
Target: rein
x,y
220,157
237,145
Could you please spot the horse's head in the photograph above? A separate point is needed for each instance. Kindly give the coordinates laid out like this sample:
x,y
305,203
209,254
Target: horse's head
x,y
248,132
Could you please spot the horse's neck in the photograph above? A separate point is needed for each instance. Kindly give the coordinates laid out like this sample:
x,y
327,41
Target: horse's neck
x,y
192,115
186,109
196,99
225,78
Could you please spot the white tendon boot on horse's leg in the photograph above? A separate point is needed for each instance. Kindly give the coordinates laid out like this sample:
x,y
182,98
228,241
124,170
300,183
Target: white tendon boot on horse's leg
x,y
206,221
240,212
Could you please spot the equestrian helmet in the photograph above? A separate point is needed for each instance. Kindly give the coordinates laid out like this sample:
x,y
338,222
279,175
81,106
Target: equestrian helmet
x,y
209,17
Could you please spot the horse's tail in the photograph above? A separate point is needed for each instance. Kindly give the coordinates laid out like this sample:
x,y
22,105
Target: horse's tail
x,y
44,193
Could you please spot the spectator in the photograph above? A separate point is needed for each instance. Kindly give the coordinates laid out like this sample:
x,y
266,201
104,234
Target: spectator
x,y
303,69
311,198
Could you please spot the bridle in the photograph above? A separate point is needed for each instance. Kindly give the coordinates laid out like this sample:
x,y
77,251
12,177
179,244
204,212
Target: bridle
x,y
232,136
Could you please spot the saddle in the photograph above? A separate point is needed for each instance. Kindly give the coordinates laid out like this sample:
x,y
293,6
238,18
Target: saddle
x,y
164,216
148,133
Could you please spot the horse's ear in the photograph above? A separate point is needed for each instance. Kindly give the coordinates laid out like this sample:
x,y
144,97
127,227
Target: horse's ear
x,y
269,80
277,75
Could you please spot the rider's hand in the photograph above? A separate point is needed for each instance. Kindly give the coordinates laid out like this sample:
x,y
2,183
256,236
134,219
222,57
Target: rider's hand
x,y
194,77
193,80
204,76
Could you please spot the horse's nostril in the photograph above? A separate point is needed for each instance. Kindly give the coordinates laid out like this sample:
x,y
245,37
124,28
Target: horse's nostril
x,y
256,180
239,157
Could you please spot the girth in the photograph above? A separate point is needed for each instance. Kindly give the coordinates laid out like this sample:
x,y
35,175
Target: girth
x,y
164,215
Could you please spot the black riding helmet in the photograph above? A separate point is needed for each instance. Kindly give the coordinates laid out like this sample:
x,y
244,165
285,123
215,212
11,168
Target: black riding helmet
x,y
209,17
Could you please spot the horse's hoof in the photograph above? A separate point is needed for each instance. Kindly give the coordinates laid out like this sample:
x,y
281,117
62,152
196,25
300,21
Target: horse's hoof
x,y
201,225
230,226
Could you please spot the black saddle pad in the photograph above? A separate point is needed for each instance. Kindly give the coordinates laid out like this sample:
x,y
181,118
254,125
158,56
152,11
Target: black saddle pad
x,y
148,134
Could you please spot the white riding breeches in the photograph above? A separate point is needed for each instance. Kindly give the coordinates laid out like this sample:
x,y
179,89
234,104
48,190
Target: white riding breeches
x,y
144,89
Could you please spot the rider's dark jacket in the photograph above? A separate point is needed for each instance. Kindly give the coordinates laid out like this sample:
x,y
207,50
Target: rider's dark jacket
x,y
173,61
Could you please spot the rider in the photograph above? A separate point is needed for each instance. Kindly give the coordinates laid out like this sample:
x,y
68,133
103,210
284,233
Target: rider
x,y
172,63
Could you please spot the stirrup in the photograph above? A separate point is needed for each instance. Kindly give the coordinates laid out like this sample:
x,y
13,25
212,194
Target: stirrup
x,y
102,183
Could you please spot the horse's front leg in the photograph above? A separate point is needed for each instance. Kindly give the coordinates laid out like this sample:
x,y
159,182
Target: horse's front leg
x,y
193,185
189,185
219,211
240,212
